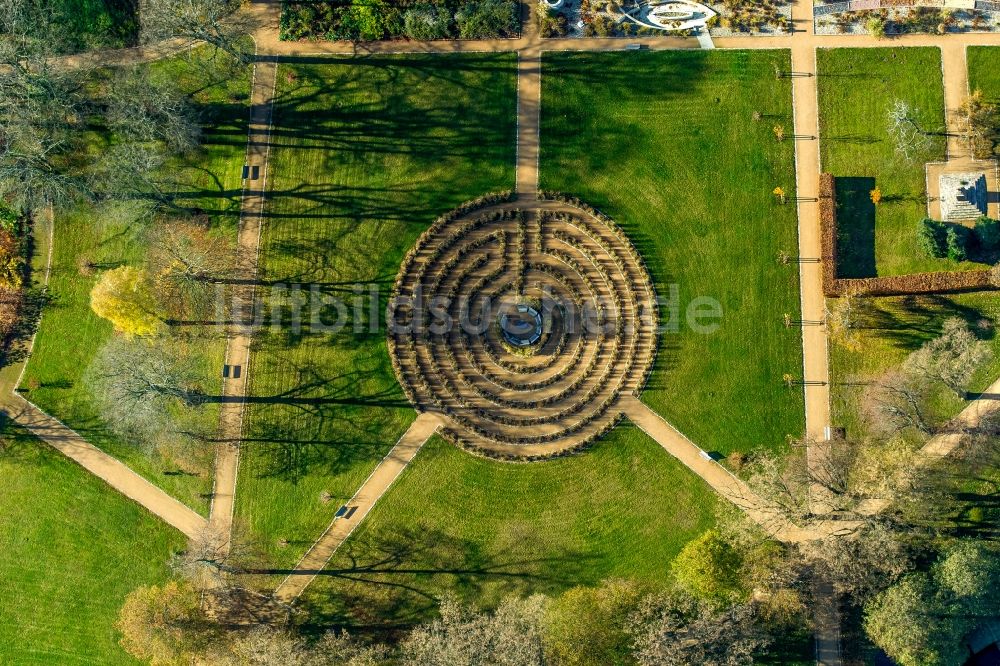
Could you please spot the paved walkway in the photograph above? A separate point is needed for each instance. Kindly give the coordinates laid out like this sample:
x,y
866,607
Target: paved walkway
x,y
769,517
956,89
247,256
54,433
123,57
371,491
803,45
111,470
529,106
826,623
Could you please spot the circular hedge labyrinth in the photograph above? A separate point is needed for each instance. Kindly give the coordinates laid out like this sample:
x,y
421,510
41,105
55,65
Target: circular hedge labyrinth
x,y
523,324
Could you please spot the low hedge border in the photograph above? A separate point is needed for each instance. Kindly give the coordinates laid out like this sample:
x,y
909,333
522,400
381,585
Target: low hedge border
x,y
894,285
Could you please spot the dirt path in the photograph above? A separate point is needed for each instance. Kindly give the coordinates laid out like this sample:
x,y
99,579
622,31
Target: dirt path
x,y
54,433
130,56
956,89
371,491
111,470
721,480
247,255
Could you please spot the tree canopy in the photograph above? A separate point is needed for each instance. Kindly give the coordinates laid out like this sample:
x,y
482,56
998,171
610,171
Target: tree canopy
x,y
922,619
708,568
124,296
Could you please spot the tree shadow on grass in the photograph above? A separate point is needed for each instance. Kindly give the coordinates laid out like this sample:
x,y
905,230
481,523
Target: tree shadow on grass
x,y
380,105
328,417
369,109
386,582
908,322
963,491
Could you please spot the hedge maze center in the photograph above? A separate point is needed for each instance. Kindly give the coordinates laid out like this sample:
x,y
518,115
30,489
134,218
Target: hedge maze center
x,y
547,316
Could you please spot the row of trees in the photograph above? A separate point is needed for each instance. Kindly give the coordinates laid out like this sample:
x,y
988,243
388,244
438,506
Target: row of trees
x,y
617,622
920,572
737,597
958,242
370,20
148,382
47,109
120,137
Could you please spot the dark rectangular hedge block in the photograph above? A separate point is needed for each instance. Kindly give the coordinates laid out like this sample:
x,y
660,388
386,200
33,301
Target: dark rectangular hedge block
x,y
893,285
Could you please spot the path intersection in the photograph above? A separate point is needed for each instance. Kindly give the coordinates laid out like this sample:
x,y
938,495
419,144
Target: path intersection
x,y
802,43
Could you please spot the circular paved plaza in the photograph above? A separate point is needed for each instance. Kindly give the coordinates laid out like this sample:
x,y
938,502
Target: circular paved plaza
x,y
523,326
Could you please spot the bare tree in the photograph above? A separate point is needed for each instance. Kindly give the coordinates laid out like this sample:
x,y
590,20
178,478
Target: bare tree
x,y
896,402
134,171
190,263
674,629
899,400
906,133
42,110
788,481
144,109
462,637
187,250
980,123
213,557
951,358
142,390
165,625
30,177
850,476
269,646
216,22
860,567
340,650
842,319
32,27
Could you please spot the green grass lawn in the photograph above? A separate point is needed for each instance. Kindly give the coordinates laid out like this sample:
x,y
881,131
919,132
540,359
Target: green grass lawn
x,y
70,550
483,529
890,329
895,327
109,235
857,89
665,143
366,154
984,75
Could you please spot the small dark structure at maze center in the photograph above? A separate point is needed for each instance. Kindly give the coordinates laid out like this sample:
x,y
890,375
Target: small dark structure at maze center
x,y
523,324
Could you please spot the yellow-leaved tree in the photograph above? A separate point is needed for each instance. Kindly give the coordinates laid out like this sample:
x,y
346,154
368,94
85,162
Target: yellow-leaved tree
x,y
124,296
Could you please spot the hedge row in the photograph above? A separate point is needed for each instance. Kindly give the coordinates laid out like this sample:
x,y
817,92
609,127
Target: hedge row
x,y
422,20
579,204
918,283
893,285
828,232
